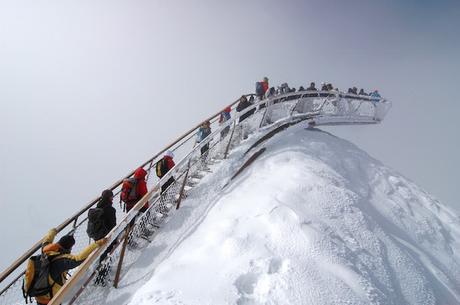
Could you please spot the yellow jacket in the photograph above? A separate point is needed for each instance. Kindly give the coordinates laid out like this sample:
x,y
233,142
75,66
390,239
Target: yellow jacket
x,y
61,262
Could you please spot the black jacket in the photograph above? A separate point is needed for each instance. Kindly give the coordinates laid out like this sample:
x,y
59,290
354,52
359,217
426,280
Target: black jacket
x,y
243,105
109,216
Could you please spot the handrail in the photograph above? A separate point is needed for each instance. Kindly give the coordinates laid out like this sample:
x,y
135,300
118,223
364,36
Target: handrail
x,y
60,227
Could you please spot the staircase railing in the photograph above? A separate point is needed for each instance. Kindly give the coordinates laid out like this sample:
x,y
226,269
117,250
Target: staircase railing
x,y
297,106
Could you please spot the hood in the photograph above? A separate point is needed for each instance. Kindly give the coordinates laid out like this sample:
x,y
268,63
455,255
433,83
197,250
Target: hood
x,y
140,173
168,158
169,154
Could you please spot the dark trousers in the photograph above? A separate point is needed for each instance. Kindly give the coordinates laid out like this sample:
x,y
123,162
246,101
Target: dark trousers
x,y
165,186
107,251
204,149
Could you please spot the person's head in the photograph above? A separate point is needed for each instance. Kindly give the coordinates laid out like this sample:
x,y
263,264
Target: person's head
x,y
140,173
206,124
266,79
251,99
228,109
107,195
243,98
106,199
312,84
169,154
66,242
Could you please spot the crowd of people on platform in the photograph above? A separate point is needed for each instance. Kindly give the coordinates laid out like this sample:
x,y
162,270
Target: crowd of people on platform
x,y
263,90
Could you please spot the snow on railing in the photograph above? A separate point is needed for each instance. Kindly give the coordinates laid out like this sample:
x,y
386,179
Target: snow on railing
x,y
323,107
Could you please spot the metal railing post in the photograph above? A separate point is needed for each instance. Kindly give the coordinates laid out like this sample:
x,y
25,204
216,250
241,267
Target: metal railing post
x,y
182,188
122,255
230,140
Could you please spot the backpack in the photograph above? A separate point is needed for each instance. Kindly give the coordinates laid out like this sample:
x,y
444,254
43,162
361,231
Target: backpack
x,y
36,281
96,228
128,190
161,168
259,89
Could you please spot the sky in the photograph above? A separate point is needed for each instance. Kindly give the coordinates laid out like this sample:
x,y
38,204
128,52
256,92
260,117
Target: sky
x,y
91,89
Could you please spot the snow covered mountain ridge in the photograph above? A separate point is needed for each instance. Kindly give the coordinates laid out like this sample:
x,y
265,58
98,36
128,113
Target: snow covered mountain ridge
x,y
314,220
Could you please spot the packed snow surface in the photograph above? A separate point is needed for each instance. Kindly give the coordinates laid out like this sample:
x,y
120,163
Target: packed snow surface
x,y
314,220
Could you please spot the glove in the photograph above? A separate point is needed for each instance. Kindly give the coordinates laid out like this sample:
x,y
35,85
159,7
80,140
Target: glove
x,y
102,241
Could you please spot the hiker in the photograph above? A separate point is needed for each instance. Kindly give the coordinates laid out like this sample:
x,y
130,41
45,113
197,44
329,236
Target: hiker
x,y
262,88
243,104
103,218
265,84
203,132
375,95
271,92
324,87
224,117
163,166
60,262
284,88
312,87
329,87
134,189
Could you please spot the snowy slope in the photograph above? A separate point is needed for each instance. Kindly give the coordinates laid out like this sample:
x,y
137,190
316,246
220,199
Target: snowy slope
x,y
314,220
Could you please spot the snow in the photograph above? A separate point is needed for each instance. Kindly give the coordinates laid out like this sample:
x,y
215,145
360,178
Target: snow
x,y
314,220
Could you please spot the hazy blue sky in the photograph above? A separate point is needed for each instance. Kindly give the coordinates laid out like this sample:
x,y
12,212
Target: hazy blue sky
x,y
90,89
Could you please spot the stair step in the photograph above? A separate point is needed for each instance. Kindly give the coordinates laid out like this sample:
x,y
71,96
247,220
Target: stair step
x,y
197,175
190,184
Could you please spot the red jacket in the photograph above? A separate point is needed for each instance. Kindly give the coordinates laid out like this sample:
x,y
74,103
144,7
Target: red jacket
x,y
265,86
169,162
141,188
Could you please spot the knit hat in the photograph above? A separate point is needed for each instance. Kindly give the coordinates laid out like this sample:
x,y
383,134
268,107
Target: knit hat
x,y
67,242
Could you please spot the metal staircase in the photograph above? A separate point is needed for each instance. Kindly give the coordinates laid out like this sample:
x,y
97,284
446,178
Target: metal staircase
x,y
314,108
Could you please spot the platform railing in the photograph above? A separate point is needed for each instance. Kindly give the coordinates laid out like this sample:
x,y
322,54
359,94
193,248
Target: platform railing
x,y
192,160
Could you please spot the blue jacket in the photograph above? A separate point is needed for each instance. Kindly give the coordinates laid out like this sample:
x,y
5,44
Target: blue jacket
x,y
202,133
375,94
224,116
